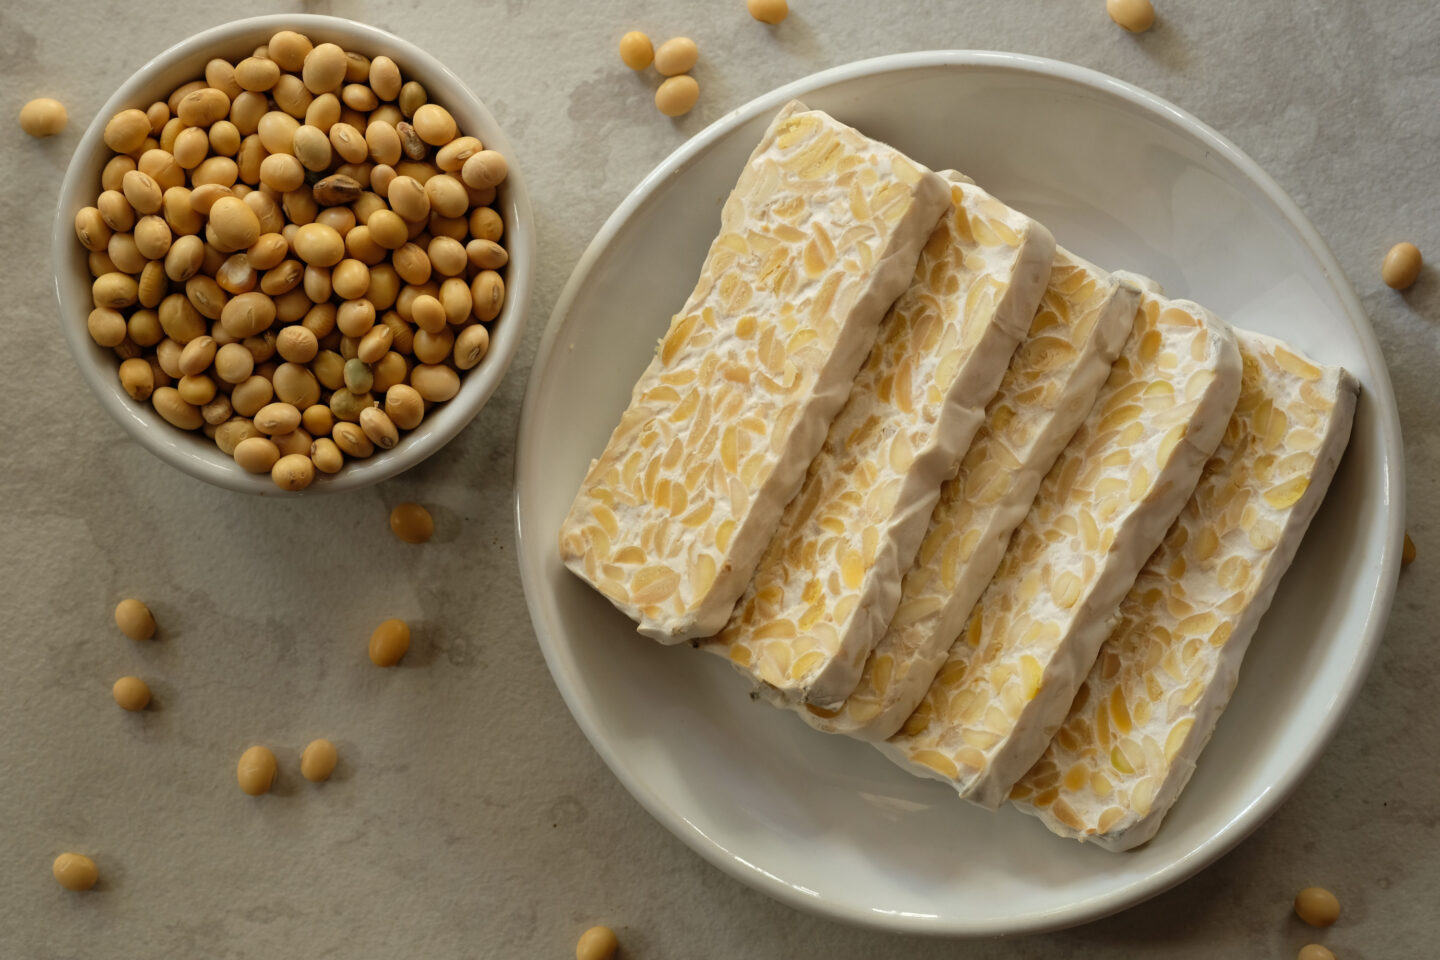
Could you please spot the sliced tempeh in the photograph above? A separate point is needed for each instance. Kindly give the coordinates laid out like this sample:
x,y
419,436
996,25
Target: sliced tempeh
x,y
1155,693
1053,380
1102,509
820,235
830,579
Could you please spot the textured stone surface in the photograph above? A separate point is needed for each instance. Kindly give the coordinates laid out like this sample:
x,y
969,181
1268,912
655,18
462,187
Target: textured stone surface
x,y
468,817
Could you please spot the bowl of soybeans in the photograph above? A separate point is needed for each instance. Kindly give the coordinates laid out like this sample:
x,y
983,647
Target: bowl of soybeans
x,y
293,254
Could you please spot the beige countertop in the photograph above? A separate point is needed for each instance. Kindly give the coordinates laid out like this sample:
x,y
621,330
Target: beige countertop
x,y
469,817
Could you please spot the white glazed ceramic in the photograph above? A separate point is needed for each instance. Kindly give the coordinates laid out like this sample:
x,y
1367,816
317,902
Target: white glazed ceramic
x,y
828,824
193,452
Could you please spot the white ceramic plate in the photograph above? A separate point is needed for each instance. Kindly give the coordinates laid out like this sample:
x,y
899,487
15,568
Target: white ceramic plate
x,y
827,823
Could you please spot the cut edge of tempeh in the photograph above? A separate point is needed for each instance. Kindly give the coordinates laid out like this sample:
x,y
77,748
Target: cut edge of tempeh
x,y
858,519
1125,807
1032,698
679,573
913,647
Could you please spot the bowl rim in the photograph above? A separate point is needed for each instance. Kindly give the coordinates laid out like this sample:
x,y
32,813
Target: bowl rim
x,y
1381,394
178,448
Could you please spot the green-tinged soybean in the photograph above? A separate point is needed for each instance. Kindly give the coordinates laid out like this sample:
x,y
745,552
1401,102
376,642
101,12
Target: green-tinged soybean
x,y
412,97
346,405
358,378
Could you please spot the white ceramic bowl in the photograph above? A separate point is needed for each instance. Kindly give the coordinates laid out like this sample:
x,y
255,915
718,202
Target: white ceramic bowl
x,y
193,452
826,823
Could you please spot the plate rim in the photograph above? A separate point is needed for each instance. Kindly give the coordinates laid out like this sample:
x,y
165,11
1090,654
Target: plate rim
x,y
1381,393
